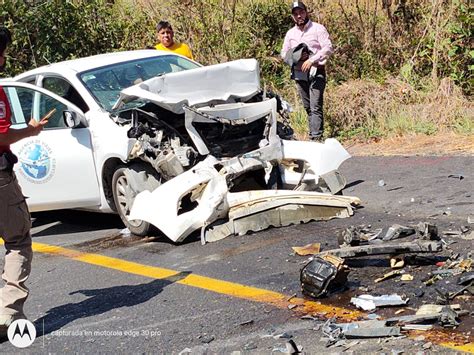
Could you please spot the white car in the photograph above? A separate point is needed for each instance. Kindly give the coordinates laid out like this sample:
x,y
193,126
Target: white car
x,y
130,123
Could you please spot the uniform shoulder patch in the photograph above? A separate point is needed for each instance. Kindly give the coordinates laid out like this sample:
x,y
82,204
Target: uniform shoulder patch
x,y
3,110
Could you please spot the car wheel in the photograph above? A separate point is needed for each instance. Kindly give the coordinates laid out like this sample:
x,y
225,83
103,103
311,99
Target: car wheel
x,y
127,183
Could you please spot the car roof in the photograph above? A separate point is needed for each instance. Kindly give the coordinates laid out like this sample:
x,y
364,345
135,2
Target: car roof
x,y
95,61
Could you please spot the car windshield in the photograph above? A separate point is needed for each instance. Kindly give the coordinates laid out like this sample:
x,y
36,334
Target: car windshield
x,y
105,83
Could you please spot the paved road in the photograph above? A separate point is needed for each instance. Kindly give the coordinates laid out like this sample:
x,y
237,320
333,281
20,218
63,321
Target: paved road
x,y
95,290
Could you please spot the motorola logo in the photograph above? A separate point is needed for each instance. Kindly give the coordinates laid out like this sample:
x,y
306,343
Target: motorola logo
x,y
21,333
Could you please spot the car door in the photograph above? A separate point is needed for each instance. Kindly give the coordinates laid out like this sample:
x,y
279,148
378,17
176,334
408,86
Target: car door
x,y
56,168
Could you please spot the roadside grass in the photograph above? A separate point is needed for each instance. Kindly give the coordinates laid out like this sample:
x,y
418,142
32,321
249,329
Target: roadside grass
x,y
368,110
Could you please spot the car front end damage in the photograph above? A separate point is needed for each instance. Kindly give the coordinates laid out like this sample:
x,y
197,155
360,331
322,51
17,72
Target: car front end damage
x,y
211,135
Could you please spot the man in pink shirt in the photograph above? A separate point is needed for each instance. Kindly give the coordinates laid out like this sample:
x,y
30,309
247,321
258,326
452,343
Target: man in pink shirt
x,y
307,48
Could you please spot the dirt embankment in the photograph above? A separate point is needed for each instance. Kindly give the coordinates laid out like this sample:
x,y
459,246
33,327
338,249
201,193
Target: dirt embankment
x,y
441,144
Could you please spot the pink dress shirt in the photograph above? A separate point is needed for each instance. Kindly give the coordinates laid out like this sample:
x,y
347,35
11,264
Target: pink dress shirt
x,y
316,38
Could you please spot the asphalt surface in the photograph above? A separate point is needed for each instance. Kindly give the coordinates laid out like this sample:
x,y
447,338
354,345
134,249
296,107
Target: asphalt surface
x,y
80,305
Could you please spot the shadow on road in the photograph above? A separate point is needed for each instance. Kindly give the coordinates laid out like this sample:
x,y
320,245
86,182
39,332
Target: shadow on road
x,y
73,221
101,301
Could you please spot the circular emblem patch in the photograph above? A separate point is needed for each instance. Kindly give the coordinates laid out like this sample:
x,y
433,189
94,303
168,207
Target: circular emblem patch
x,y
36,162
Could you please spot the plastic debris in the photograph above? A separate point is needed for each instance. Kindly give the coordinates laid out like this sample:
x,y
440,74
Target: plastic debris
x,y
389,275
323,275
397,262
406,277
381,183
369,302
309,249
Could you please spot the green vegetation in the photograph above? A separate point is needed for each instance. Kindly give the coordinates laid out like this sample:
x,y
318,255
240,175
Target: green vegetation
x,y
401,66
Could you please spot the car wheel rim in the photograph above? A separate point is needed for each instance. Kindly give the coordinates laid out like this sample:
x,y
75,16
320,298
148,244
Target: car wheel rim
x,y
125,198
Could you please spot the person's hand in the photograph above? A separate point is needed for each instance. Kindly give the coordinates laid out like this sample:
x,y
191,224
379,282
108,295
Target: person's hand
x,y
306,66
35,126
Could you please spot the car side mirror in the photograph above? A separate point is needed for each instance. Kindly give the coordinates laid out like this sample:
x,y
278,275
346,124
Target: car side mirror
x,y
72,119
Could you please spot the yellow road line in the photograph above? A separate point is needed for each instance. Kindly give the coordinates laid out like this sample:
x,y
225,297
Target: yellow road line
x,y
219,286
206,283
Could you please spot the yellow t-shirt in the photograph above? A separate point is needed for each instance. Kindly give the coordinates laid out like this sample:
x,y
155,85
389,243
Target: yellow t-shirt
x,y
179,48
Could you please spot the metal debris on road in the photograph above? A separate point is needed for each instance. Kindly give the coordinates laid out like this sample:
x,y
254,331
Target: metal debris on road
x,y
428,231
378,249
369,302
397,231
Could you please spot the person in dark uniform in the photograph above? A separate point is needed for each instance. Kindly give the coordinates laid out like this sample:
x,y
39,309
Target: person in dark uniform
x,y
14,215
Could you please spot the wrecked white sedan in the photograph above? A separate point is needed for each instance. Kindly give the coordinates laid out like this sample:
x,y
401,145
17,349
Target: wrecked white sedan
x,y
168,143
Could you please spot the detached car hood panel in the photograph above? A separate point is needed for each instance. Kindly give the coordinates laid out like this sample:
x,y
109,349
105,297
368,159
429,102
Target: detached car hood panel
x,y
239,79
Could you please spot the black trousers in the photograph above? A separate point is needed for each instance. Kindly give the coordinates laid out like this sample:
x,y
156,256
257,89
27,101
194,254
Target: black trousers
x,y
311,93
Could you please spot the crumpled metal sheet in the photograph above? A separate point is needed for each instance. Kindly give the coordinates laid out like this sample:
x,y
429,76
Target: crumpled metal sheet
x,y
369,302
239,79
258,210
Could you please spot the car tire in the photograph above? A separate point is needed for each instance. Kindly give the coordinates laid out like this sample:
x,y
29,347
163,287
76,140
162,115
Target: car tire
x,y
125,186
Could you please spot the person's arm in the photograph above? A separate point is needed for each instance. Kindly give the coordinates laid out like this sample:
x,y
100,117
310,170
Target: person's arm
x,y
14,135
33,129
286,45
321,56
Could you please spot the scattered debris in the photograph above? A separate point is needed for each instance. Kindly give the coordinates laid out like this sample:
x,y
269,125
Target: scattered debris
x,y
354,236
397,231
322,275
292,306
332,332
309,249
469,236
397,262
250,346
206,339
282,336
368,329
247,322
381,183
420,327
406,247
456,176
406,277
125,233
427,345
470,219
389,275
369,302
428,231
434,308
292,348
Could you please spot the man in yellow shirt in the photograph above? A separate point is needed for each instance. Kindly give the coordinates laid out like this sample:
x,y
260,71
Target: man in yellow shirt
x,y
165,36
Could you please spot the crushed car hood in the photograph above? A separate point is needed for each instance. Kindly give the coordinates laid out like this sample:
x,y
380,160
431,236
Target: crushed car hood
x,y
218,213
239,79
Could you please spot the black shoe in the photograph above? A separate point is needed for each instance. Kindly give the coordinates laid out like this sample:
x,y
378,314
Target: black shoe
x,y
316,138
